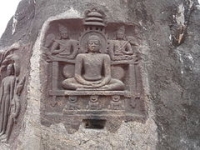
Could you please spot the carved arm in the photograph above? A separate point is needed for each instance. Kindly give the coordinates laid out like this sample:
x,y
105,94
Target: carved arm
x,y
128,49
107,71
78,70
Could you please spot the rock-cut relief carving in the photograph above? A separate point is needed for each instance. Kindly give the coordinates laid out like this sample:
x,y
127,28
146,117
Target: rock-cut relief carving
x,y
94,103
61,46
93,70
121,49
10,90
93,74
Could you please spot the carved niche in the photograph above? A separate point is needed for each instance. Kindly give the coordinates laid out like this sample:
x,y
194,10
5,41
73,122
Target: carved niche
x,y
11,86
93,73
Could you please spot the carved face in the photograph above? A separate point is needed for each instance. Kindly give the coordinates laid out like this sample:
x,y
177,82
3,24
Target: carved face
x,y
64,34
10,69
120,35
93,45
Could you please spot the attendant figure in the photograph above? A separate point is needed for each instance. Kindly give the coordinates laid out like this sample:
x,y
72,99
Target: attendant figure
x,y
64,47
120,49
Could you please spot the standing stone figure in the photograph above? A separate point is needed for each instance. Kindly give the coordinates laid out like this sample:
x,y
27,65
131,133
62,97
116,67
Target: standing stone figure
x,y
10,91
14,108
6,97
92,70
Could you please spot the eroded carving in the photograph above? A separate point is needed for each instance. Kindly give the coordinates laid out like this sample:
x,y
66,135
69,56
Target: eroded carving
x,y
62,47
73,103
94,103
120,48
116,103
92,76
10,91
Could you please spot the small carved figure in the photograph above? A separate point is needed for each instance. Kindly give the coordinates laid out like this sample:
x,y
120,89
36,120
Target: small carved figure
x,y
116,103
92,70
64,47
120,49
72,104
94,103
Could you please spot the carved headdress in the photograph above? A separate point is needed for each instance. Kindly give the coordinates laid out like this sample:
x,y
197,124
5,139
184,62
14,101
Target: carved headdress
x,y
62,28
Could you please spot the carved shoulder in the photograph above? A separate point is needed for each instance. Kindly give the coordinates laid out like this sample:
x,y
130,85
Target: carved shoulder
x,y
80,56
105,55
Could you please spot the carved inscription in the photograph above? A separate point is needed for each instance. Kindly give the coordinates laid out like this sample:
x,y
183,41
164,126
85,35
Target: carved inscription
x,y
93,69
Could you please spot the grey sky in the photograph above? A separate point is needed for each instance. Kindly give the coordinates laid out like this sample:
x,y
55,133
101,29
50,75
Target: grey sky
x,y
7,10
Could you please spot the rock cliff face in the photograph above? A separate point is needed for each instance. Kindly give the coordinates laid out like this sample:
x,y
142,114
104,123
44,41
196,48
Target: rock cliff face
x,y
168,31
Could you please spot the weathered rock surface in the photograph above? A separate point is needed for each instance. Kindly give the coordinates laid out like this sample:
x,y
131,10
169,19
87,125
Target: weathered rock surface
x,y
169,31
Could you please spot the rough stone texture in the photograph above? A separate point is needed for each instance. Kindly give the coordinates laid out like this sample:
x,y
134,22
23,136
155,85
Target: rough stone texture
x,y
129,136
171,71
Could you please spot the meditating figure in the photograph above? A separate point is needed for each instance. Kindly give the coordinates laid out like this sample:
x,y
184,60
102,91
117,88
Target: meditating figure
x,y
92,70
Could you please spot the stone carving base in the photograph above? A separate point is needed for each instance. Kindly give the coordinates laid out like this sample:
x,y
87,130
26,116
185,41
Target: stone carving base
x,y
112,107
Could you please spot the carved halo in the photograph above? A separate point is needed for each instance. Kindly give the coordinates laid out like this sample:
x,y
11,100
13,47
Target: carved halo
x,y
84,39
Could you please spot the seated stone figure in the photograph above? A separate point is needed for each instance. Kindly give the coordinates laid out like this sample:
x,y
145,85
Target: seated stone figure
x,y
92,70
64,47
120,48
